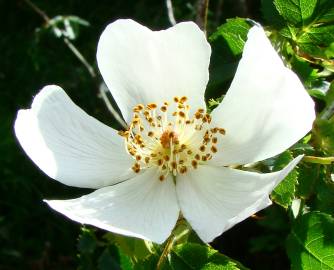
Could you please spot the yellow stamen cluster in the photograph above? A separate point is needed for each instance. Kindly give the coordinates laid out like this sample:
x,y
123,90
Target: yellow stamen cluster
x,y
171,141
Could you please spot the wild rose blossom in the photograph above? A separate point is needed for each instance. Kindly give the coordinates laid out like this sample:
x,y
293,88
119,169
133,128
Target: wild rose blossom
x,y
174,157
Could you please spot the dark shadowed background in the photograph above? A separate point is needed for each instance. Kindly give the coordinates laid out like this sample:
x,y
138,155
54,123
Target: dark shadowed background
x,y
32,236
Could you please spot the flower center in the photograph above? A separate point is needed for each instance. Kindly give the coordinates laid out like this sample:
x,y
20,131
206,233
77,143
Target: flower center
x,y
169,139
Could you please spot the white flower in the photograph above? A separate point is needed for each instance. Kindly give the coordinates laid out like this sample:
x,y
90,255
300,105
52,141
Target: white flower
x,y
174,157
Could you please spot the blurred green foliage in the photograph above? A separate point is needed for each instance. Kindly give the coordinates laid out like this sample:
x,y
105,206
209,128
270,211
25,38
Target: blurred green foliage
x,y
33,54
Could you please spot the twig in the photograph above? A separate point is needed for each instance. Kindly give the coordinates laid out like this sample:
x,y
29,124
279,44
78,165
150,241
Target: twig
x,y
170,12
38,10
103,95
81,58
202,14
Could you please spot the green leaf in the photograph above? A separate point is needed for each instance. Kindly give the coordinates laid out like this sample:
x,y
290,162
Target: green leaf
x,y
234,32
113,258
194,256
308,25
324,135
227,45
284,193
307,178
304,70
329,98
148,263
325,196
130,246
322,36
87,241
297,12
306,12
329,52
109,259
310,244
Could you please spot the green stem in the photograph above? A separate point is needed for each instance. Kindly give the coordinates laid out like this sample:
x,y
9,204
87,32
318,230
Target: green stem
x,y
166,251
180,231
319,160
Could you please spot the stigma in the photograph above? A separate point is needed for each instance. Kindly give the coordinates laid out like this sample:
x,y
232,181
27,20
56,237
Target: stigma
x,y
169,138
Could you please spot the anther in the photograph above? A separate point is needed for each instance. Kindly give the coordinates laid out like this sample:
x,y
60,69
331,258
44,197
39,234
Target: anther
x,y
159,162
214,149
182,114
183,169
214,130
150,119
151,106
198,115
183,99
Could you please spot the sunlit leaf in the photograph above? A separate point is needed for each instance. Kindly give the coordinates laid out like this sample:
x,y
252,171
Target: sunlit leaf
x,y
310,244
194,256
227,45
284,193
234,32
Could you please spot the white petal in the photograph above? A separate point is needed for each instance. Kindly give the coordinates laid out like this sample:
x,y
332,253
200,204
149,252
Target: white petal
x,y
69,145
266,109
213,199
144,66
143,207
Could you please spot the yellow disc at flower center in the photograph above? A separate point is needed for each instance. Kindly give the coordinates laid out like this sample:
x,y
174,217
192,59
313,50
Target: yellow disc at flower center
x,y
169,139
